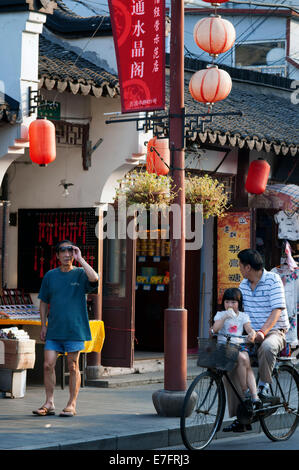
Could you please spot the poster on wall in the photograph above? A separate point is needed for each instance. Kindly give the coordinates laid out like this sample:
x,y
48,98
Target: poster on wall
x,y
233,235
139,38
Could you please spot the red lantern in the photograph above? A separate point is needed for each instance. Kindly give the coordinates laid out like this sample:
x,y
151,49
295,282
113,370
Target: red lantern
x,y
214,34
42,142
257,177
155,163
210,85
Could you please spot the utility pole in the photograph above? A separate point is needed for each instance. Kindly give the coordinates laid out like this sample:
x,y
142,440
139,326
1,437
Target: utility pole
x,y
168,402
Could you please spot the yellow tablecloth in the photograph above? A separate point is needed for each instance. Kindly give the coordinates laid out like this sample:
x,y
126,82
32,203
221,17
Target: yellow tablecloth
x,y
96,327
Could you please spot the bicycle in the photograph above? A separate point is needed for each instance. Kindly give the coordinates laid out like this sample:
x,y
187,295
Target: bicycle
x,y
205,401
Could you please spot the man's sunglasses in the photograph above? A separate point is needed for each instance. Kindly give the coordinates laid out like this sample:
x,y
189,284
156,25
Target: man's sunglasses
x,y
62,249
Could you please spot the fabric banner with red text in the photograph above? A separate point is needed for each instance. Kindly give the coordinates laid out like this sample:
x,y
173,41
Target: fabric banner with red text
x,y
139,37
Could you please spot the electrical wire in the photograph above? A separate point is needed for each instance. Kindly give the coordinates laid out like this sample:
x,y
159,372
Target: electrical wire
x,y
260,23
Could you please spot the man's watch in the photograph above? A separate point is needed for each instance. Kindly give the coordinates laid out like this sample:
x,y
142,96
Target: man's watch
x,y
212,331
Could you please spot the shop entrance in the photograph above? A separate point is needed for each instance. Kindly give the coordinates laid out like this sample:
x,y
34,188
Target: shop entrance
x,y
151,296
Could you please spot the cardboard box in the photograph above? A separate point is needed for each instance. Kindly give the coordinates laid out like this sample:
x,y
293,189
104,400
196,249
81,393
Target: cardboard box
x,y
16,354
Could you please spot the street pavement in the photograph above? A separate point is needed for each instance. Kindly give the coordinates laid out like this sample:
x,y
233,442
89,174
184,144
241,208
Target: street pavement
x,y
117,418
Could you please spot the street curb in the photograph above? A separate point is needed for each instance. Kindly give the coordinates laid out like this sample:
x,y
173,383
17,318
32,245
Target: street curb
x,y
142,441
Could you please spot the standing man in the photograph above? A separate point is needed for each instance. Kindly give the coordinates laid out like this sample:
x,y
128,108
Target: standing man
x,y
64,289
264,302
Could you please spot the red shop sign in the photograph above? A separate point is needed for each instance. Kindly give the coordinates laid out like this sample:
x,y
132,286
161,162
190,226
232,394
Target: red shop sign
x,y
139,37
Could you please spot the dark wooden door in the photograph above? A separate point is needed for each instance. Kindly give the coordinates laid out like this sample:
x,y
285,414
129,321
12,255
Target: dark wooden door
x,y
119,274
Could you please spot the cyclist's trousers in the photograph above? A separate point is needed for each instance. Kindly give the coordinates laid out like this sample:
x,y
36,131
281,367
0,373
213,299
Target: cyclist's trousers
x,y
267,352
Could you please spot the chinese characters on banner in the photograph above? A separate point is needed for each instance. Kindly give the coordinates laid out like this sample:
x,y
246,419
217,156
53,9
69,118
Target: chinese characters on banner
x,y
139,37
233,235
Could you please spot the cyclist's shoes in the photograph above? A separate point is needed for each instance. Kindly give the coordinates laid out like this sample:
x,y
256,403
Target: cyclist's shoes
x,y
266,396
236,426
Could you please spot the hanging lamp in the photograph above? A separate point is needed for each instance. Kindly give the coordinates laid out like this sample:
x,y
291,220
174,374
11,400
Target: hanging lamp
x,y
210,85
42,142
257,177
214,35
158,156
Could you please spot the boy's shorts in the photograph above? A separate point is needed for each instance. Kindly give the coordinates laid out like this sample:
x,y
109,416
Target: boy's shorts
x,y
64,346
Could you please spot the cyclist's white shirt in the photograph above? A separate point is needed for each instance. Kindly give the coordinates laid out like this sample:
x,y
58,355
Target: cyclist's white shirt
x,y
232,326
267,296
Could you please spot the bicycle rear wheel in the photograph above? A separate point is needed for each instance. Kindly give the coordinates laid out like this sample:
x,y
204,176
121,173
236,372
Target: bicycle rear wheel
x,y
281,421
203,410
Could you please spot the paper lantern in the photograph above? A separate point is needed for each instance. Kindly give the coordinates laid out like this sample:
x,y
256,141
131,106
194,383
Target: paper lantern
x,y
210,85
154,162
214,35
42,142
257,177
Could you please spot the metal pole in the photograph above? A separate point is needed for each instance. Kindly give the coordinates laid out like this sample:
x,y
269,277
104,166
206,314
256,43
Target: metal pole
x,y
168,402
175,336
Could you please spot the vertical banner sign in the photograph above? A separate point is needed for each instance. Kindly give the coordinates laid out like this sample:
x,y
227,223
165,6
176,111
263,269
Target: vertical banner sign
x,y
139,37
233,235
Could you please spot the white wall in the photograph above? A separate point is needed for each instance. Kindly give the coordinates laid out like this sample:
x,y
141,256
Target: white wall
x,y
248,29
32,186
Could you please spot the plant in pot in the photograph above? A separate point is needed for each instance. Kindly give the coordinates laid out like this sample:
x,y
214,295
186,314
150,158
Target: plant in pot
x,y
209,192
145,189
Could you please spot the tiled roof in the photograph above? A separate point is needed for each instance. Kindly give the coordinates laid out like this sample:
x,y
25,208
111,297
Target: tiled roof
x,y
67,23
9,109
64,70
268,123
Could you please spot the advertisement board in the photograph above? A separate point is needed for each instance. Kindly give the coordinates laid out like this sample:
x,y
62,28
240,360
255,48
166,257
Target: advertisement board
x,y
233,235
139,37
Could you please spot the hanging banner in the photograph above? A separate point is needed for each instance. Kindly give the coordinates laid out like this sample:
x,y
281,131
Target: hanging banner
x,y
233,235
139,38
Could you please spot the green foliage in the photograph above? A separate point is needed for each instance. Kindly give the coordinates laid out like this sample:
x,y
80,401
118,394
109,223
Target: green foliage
x,y
208,192
146,189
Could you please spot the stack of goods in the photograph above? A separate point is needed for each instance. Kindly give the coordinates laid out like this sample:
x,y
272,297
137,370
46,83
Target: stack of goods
x,y
13,333
151,246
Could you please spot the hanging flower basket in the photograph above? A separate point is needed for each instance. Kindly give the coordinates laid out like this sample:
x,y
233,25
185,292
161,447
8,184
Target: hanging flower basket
x,y
208,192
145,189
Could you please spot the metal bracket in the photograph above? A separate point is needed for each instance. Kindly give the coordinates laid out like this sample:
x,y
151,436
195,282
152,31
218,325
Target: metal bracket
x,y
34,100
159,123
89,152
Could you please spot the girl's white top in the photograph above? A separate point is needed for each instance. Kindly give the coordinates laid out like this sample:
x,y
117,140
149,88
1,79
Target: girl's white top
x,y
232,326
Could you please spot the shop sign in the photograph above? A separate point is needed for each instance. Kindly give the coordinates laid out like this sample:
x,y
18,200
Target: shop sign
x,y
233,235
49,110
139,37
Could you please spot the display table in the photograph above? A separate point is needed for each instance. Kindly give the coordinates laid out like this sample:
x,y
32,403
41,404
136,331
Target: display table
x,y
96,328
32,327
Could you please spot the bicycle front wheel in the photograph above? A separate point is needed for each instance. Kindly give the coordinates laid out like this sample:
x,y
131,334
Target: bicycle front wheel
x,y
203,410
282,418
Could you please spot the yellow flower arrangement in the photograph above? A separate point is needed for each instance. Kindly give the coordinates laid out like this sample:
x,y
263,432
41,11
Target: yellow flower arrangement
x,y
209,192
146,189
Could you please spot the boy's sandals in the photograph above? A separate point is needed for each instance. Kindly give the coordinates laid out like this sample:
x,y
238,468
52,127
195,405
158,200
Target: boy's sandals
x,y
44,411
68,413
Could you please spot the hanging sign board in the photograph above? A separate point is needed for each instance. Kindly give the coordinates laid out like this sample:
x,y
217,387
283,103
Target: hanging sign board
x,y
139,39
233,235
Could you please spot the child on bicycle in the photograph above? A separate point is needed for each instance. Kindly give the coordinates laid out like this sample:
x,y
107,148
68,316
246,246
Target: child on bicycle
x,y
232,321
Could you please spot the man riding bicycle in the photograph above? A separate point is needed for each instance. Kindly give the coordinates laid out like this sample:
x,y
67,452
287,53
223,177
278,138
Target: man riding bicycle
x,y
264,302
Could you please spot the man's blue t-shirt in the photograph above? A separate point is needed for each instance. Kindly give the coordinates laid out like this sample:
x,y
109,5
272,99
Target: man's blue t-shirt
x,y
65,292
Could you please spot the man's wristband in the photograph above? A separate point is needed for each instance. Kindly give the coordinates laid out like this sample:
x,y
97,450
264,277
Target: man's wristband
x,y
261,331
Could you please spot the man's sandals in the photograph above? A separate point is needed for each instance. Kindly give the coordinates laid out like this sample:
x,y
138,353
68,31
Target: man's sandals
x,y
44,411
67,413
